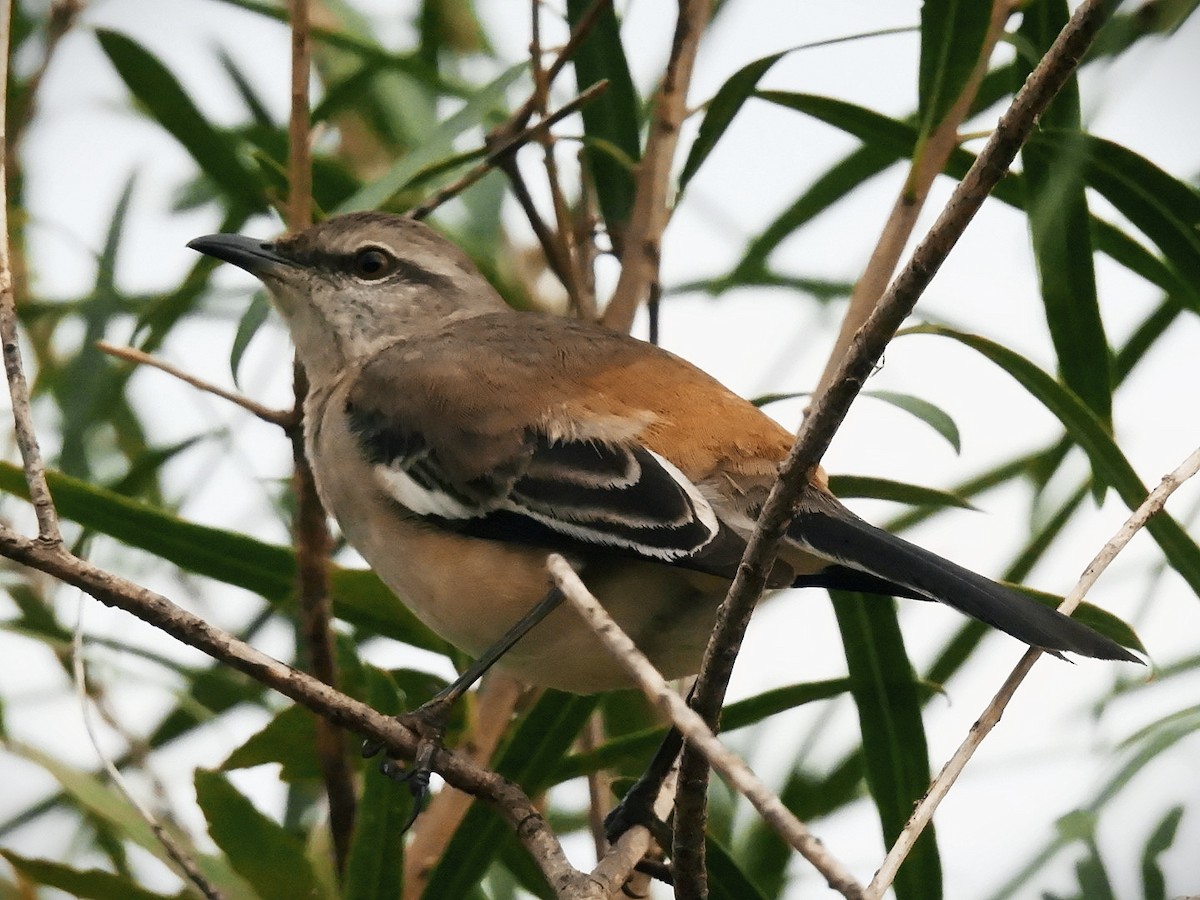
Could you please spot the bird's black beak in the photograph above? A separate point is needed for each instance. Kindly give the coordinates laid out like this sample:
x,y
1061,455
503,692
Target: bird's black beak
x,y
253,255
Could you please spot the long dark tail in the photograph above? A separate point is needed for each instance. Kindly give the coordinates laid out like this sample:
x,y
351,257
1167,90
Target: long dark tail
x,y
869,559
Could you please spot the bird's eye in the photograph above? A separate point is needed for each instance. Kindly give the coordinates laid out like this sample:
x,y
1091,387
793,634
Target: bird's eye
x,y
372,263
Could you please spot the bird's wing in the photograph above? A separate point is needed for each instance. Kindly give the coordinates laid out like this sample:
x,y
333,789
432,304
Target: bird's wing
x,y
512,450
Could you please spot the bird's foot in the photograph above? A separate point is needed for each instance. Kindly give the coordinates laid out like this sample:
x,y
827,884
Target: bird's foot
x,y
428,722
637,808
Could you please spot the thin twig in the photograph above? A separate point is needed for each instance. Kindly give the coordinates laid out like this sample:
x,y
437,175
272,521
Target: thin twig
x,y
991,715
313,542
560,245
530,826
642,241
18,387
865,350
284,418
181,858
299,206
506,147
735,772
928,161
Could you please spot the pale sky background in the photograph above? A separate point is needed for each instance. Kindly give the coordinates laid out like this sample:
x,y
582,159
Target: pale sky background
x,y
1045,759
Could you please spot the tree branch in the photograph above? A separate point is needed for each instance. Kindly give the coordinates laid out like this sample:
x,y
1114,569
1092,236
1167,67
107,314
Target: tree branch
x,y
18,387
927,163
991,715
864,352
531,827
735,772
641,244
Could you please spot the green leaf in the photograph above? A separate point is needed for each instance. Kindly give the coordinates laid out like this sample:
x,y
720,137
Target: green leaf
x,y
612,117
849,486
260,850
722,108
933,416
1058,215
265,569
1109,463
248,325
889,140
93,884
474,112
885,691
157,90
540,740
1154,885
952,37
637,746
375,864
1164,208
726,878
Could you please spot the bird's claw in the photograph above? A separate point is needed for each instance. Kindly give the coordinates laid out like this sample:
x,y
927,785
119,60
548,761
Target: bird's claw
x,y
637,808
428,722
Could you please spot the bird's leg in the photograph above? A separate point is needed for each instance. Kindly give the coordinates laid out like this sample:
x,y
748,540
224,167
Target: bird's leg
x,y
428,720
637,806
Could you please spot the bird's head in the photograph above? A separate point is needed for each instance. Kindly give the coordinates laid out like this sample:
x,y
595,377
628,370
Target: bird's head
x,y
357,282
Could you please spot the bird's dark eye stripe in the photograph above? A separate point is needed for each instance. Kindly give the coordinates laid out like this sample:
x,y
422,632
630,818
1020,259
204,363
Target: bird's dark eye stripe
x,y
402,270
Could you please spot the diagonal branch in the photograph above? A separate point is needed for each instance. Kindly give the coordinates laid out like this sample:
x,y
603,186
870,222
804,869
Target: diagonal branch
x,y
642,241
283,418
530,826
735,772
866,348
991,716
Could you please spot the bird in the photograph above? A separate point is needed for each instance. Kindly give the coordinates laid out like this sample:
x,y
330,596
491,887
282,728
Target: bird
x,y
458,441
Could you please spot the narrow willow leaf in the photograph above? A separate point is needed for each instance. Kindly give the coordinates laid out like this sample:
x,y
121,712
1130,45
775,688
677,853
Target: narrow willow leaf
x,y
270,858
863,486
721,109
363,47
885,691
158,91
932,415
952,37
1164,208
482,104
1154,885
88,884
265,569
1110,464
892,140
614,116
375,864
1058,217
637,746
249,324
727,880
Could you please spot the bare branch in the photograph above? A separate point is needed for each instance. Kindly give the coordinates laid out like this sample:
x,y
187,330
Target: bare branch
x,y
18,387
284,418
530,826
511,145
311,536
927,163
991,715
735,772
641,243
866,348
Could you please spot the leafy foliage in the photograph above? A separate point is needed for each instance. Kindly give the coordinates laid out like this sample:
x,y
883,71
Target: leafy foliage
x,y
132,469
